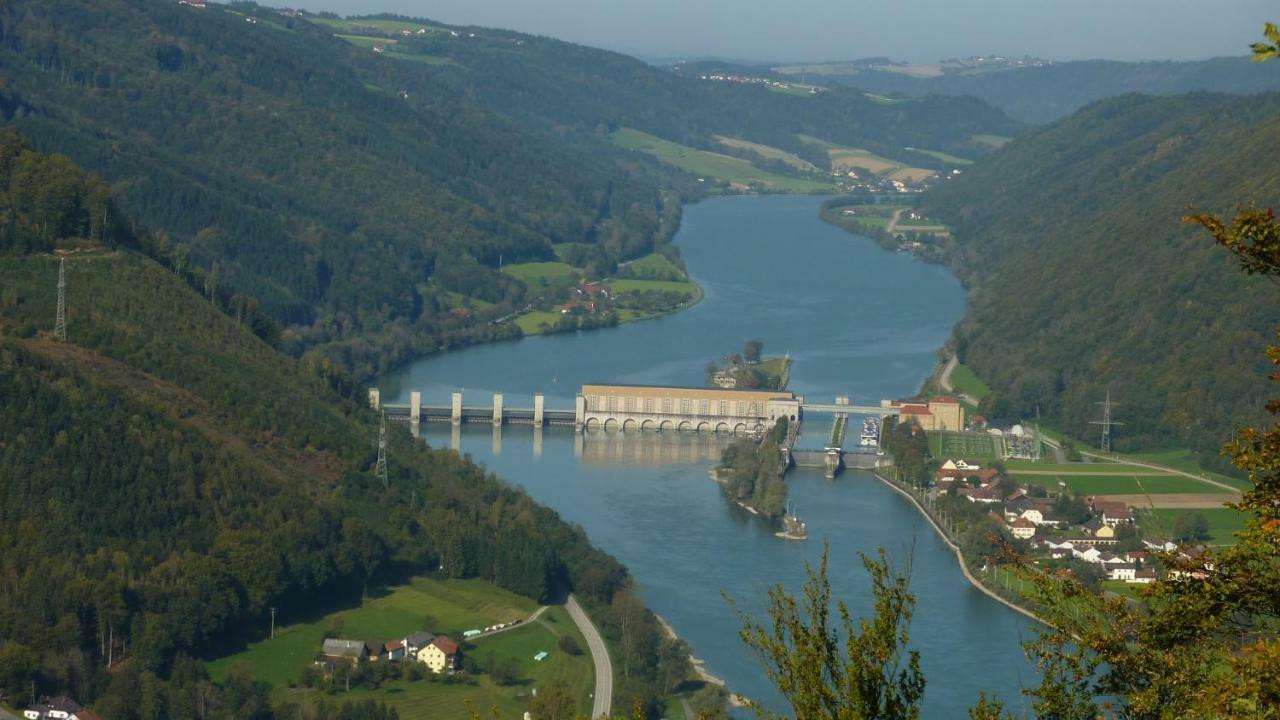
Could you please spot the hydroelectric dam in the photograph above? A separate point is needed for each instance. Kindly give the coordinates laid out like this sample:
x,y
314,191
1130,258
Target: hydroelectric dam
x,y
652,408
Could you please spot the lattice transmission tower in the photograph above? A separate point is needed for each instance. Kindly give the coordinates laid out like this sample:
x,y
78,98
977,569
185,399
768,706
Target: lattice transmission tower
x,y
60,325
382,451
1106,422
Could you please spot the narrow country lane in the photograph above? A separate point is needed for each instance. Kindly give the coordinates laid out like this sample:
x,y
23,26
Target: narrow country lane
x,y
599,655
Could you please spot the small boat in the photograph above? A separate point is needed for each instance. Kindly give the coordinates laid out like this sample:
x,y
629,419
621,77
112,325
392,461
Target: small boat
x,y
793,528
870,432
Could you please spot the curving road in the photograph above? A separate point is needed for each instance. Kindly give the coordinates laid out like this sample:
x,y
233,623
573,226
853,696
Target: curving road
x,y
603,698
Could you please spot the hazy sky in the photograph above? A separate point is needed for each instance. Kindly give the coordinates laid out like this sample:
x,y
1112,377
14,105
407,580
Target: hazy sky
x,y
917,30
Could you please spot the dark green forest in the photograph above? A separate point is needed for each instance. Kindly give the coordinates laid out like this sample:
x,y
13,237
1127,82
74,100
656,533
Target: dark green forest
x,y
1048,93
355,195
168,476
1085,281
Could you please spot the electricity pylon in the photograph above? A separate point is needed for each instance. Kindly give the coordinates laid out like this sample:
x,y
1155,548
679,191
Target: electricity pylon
x,y
60,325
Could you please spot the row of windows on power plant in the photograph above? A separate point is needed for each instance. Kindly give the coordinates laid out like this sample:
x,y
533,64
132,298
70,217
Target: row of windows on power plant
x,y
668,406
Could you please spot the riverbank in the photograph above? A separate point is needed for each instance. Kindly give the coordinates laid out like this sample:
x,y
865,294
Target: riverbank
x,y
955,548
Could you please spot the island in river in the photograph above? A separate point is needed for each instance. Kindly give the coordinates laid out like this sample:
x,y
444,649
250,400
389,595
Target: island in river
x,y
859,321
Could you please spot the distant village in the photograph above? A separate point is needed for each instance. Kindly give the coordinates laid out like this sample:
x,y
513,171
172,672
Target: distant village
x,y
439,653
1101,533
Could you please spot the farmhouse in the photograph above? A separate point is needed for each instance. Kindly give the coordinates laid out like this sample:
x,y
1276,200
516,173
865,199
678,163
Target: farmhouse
x,y
440,656
349,650
59,708
1023,529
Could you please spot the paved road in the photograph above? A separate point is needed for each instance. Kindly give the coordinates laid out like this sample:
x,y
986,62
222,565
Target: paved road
x,y
944,380
1153,466
599,655
509,626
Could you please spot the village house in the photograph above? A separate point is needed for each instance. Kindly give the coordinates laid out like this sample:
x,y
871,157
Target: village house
x,y
393,650
441,655
349,650
1111,513
1144,576
414,643
1122,571
1023,529
58,708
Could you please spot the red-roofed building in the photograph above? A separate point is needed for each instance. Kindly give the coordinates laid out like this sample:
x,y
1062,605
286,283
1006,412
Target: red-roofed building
x,y
441,655
1023,529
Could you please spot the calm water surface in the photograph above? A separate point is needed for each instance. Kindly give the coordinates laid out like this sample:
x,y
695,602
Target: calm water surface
x,y
858,321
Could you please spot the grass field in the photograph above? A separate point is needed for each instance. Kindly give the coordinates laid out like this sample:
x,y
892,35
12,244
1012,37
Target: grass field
x,y
656,267
531,322
1222,522
1080,468
964,380
541,274
704,163
1185,460
625,285
1120,484
381,25
995,141
1120,587
944,157
428,700
457,299
457,605
974,446
769,151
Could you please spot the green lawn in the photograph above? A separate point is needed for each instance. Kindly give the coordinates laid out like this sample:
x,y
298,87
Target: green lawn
x,y
457,605
432,700
1045,465
944,157
1222,522
625,285
531,322
1120,587
1120,484
964,380
542,274
1186,461
656,267
366,41
561,248
709,164
382,25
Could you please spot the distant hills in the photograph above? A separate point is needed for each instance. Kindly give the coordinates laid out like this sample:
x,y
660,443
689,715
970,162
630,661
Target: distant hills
x,y
1042,92
361,178
1084,281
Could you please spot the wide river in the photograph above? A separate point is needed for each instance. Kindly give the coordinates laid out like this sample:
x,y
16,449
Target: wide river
x,y
857,321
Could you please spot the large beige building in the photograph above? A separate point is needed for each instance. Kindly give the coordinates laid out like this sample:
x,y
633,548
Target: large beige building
x,y
937,413
683,408
440,656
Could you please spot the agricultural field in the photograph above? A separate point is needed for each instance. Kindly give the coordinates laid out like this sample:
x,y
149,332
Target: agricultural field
x,y
994,141
654,267
703,163
869,215
626,285
542,274
456,605
846,158
1223,522
965,381
531,323
974,446
944,157
1185,460
1120,484
769,151
390,27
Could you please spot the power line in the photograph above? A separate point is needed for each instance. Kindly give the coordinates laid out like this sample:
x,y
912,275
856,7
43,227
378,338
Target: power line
x,y
382,451
60,325
1106,422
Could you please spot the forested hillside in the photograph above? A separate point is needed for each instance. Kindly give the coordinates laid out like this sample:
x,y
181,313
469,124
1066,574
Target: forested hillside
x,y
1047,93
1084,280
349,195
166,477
363,185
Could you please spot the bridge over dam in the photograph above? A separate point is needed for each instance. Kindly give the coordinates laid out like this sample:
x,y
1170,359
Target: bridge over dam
x,y
636,407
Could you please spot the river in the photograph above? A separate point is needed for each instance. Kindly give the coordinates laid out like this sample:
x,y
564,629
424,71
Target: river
x,y
858,321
